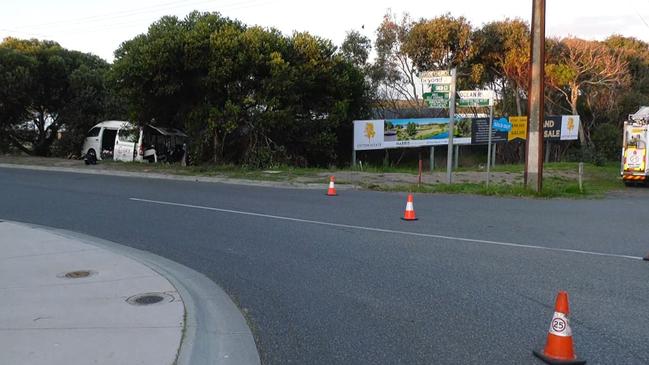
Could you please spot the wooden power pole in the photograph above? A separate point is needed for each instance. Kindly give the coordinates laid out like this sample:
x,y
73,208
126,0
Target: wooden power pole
x,y
536,98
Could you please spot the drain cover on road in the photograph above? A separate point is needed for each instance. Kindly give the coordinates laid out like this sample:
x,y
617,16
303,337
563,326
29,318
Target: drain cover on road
x,y
78,274
149,298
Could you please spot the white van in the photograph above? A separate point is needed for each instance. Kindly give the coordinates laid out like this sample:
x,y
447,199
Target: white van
x,y
124,141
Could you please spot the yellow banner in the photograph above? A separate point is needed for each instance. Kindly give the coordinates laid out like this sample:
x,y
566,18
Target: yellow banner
x,y
519,128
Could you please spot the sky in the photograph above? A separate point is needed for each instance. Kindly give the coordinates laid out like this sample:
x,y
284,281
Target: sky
x,y
99,27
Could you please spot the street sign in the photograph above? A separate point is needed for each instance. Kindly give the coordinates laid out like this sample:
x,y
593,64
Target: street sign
x,y
436,95
437,80
476,94
475,98
474,102
440,88
436,100
437,73
437,103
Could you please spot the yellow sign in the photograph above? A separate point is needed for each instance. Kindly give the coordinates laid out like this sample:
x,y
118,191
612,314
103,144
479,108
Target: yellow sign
x,y
571,124
369,131
519,128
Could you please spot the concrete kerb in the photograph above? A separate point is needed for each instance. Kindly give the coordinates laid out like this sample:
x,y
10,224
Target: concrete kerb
x,y
154,175
215,330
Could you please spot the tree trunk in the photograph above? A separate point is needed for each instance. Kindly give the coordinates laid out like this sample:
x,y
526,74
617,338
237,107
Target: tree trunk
x,y
215,148
574,96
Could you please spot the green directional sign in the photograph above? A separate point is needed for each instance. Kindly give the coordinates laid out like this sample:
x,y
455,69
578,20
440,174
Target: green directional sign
x,y
441,88
436,100
473,102
437,95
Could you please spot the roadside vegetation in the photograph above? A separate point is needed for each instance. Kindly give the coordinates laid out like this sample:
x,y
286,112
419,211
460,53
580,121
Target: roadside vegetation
x,y
254,99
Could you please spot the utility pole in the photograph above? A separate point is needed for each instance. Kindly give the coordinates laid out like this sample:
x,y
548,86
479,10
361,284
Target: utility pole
x,y
534,150
451,129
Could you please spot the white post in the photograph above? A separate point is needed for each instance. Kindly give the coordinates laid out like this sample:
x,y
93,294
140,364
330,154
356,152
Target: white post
x,y
581,175
491,120
451,129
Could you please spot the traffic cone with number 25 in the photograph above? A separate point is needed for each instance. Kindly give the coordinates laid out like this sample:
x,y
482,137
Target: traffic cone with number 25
x,y
559,348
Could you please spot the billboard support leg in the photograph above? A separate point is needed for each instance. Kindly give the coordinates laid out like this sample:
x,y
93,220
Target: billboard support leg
x,y
432,158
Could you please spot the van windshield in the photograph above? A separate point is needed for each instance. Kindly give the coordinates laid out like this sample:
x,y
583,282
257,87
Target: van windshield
x,y
129,135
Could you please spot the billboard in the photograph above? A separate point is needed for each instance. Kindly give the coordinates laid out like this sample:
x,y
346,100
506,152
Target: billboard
x,y
396,133
561,128
480,132
569,127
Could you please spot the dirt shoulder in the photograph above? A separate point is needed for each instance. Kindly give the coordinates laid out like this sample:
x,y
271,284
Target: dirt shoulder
x,y
560,179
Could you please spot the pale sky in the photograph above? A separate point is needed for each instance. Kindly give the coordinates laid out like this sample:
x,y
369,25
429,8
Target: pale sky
x,y
100,26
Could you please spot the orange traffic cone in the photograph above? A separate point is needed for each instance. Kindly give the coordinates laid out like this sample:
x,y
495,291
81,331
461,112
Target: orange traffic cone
x,y
409,214
332,188
559,348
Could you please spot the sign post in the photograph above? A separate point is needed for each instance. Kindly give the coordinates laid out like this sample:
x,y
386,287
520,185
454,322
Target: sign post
x,y
451,129
481,98
491,122
442,96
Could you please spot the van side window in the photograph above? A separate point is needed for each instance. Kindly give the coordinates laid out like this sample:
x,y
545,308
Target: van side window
x,y
129,135
94,132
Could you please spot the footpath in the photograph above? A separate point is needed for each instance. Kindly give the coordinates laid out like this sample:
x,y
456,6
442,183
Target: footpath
x,y
68,302
70,299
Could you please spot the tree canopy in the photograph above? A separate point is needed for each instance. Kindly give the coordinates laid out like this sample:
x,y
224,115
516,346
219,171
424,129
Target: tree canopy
x,y
254,96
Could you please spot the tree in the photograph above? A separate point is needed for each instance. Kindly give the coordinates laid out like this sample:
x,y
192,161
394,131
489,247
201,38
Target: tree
x,y
502,49
16,71
64,88
439,43
585,68
636,54
396,71
246,95
356,48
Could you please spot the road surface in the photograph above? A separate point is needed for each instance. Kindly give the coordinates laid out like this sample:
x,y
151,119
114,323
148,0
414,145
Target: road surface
x,y
342,280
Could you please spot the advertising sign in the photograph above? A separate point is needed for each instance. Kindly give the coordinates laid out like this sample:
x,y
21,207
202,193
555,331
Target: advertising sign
x,y
480,132
552,128
519,128
501,125
569,127
395,133
368,134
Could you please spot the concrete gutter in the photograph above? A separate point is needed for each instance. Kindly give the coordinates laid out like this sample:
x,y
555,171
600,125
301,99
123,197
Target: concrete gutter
x,y
215,331
154,175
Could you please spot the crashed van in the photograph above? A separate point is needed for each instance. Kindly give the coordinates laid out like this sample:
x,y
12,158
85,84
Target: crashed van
x,y
124,141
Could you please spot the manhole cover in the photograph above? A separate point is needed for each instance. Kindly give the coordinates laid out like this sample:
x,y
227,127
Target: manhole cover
x,y
78,274
149,298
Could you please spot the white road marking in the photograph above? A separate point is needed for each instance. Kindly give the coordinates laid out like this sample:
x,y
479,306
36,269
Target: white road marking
x,y
383,230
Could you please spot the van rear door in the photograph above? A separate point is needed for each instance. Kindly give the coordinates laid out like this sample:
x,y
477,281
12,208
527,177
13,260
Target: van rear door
x,y
127,138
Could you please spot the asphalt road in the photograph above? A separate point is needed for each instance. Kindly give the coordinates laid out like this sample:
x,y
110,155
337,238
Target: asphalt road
x,y
473,281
